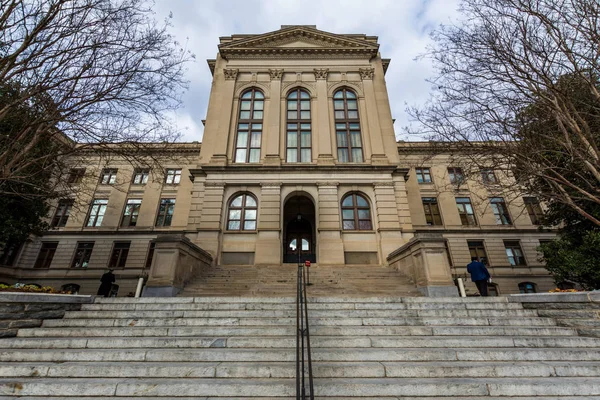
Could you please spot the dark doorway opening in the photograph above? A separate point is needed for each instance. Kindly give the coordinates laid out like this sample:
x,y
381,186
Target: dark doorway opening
x,y
299,241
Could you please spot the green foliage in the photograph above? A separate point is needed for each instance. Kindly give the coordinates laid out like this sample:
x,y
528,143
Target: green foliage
x,y
574,259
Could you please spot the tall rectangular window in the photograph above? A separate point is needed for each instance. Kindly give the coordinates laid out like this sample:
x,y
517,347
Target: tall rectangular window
x,y
76,175
108,176
347,127
488,176
456,175
46,255
249,129
423,175
173,177
131,213
118,258
432,211
97,212
298,142
534,210
500,211
477,250
9,252
62,213
140,176
465,210
83,252
165,212
514,252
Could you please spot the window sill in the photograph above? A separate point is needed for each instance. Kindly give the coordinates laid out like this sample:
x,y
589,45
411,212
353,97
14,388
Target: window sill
x,y
358,231
240,232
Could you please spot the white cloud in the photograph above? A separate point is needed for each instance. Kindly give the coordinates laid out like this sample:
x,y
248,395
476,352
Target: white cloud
x,y
402,26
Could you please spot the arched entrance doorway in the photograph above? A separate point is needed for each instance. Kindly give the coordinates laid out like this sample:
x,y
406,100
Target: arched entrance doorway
x,y
300,234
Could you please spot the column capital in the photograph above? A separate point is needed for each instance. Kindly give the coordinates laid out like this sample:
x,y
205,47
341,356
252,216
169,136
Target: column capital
x,y
366,73
230,73
321,73
275,74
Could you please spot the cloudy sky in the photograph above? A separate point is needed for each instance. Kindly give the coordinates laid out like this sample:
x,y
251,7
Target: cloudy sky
x,y
403,28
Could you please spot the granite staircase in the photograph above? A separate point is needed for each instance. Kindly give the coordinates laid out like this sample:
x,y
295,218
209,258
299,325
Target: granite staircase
x,y
244,348
280,280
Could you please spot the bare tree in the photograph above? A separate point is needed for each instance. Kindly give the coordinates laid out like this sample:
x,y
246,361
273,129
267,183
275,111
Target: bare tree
x,y
517,90
79,76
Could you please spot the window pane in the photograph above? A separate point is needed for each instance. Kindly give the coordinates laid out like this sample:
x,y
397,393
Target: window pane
x,y
292,114
357,155
348,202
305,127
352,114
350,95
292,155
247,95
339,115
347,214
255,141
235,214
365,225
250,214
361,201
305,105
240,156
292,105
338,104
254,155
249,225
256,127
340,127
343,155
339,94
234,225
244,114
305,139
243,127
250,202
242,139
292,139
258,95
352,105
305,245
305,155
293,95
364,214
293,245
258,105
341,139
245,105
354,127
348,224
304,95
355,139
292,126
304,114
237,202
258,115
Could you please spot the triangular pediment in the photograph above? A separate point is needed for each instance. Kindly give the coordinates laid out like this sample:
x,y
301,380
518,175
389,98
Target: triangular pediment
x,y
298,40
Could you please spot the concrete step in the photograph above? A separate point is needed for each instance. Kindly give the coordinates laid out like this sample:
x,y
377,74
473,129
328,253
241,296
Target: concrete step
x,y
184,370
583,314
289,330
344,387
326,397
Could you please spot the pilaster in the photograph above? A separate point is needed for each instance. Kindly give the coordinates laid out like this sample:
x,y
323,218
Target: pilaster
x,y
322,130
211,217
268,242
378,155
331,246
272,132
226,115
390,234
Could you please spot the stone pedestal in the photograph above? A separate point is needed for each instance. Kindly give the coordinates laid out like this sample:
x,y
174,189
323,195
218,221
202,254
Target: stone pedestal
x,y
175,262
425,261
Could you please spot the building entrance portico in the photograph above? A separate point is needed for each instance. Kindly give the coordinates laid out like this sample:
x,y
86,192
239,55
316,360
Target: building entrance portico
x,y
299,230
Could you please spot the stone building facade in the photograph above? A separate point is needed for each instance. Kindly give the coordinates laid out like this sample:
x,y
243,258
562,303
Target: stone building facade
x,y
298,159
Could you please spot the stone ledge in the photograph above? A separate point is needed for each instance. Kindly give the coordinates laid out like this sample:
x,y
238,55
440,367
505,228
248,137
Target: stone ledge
x,y
573,297
13,297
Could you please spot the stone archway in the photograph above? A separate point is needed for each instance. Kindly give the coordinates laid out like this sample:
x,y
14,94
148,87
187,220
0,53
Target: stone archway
x,y
299,230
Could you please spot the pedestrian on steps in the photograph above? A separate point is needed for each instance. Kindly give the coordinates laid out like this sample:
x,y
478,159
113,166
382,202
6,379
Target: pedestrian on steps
x,y
480,275
107,280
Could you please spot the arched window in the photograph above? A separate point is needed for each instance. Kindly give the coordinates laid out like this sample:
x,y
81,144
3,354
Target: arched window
x,y
242,213
356,214
527,287
249,128
298,127
347,126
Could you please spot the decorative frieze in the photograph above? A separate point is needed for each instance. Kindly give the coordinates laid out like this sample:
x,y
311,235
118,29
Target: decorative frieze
x,y
383,184
321,73
214,184
230,73
366,73
270,184
328,183
275,74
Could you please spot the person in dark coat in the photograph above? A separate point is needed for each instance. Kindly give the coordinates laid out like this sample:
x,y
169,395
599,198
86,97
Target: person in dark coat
x,y
480,275
107,281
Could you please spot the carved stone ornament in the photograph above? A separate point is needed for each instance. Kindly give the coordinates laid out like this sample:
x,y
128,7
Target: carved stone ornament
x,y
328,183
214,184
383,184
366,73
275,74
271,184
230,73
321,73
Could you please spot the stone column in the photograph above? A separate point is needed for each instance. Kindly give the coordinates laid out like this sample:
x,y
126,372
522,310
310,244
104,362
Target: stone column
x,y
272,131
211,216
227,115
268,242
330,244
390,234
378,156
322,130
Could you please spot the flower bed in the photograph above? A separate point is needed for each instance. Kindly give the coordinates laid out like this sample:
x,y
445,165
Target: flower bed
x,y
24,288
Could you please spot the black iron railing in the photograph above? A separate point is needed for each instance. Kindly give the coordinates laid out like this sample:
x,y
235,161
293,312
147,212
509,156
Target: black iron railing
x,y
304,376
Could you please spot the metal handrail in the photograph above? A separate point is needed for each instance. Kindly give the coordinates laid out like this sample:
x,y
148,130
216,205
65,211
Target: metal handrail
x,y
303,356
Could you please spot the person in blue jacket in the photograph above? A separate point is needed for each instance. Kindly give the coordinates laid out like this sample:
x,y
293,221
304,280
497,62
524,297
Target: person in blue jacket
x,y
480,275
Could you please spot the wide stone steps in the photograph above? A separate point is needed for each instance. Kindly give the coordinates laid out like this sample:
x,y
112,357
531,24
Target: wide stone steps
x,y
372,348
